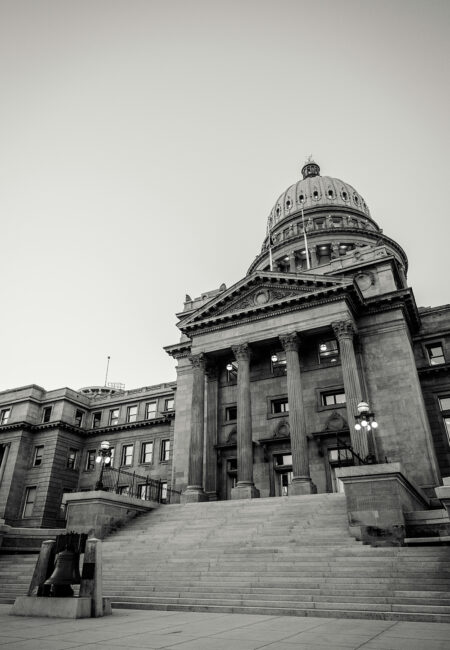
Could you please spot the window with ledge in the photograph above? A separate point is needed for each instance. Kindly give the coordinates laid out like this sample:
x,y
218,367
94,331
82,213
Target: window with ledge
x,y
90,459
147,452
96,419
331,398
114,416
127,455
132,413
165,450
435,354
38,455
72,458
231,369
280,405
150,411
230,413
278,361
328,351
46,414
79,415
444,406
30,498
5,414
283,459
169,404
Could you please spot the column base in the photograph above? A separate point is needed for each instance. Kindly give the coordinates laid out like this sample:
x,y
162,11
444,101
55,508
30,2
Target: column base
x,y
193,494
301,486
212,496
244,492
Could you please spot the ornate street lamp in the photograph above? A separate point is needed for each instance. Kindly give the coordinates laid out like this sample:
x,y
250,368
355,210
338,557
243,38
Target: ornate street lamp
x,y
365,420
104,457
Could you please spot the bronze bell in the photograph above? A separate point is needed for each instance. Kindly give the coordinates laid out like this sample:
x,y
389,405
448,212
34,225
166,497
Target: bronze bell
x,y
65,573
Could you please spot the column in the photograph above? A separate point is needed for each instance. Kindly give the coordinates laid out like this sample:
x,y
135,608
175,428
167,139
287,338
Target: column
x,y
245,488
345,331
292,263
301,481
194,491
212,405
313,257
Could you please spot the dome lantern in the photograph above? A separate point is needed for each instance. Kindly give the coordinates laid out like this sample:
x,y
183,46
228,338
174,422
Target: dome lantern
x,y
310,169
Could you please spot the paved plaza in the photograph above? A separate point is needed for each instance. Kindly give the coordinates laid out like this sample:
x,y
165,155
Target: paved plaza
x,y
127,629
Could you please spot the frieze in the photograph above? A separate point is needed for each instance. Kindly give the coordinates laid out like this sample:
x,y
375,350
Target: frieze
x,y
261,297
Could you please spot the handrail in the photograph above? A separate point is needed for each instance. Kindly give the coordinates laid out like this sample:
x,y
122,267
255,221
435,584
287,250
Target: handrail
x,y
121,481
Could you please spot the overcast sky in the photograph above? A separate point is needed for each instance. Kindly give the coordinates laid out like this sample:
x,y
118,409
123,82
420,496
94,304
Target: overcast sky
x,y
144,142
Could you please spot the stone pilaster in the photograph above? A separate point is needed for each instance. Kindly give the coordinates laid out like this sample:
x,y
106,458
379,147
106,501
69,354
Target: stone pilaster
x,y
245,488
345,331
194,491
301,481
212,405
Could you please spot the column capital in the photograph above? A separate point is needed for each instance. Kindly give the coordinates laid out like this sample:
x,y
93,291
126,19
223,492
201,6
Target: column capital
x,y
198,360
290,341
344,329
242,352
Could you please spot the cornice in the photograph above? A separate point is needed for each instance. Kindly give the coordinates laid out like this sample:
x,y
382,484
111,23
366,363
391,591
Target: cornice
x,y
178,350
402,298
443,368
165,418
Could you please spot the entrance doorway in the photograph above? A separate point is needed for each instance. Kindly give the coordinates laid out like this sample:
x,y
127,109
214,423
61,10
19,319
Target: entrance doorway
x,y
283,473
339,457
231,475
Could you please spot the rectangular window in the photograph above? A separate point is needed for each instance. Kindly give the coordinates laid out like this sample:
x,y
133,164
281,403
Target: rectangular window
x,y
46,414
278,361
72,459
144,491
132,413
96,419
30,498
230,413
114,416
283,459
79,415
147,452
168,404
165,450
328,351
150,411
123,489
435,354
127,455
38,455
90,459
231,371
444,405
279,405
4,416
331,398
112,450
340,455
163,491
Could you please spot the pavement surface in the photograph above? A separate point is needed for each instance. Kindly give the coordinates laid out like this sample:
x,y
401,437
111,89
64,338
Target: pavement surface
x,y
128,628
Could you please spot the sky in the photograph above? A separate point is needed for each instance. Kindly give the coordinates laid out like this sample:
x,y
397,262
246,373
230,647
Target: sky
x,y
144,143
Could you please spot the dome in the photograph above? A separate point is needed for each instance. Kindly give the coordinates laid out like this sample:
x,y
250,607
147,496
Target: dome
x,y
316,191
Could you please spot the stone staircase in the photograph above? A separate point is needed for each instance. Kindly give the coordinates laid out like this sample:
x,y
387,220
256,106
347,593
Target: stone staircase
x,y
16,570
285,556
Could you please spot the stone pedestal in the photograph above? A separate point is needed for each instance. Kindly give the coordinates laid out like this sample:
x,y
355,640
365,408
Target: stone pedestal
x,y
56,607
244,492
302,486
193,495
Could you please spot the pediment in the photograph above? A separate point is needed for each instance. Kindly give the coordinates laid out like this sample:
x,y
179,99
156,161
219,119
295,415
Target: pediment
x,y
262,291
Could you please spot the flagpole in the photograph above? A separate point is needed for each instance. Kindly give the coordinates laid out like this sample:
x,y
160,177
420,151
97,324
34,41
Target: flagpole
x,y
270,245
308,265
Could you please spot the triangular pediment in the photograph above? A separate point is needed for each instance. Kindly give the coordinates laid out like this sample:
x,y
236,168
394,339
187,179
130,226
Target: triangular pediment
x,y
261,291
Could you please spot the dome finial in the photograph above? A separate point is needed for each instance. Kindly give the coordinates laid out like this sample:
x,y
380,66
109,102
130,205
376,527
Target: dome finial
x,y
310,168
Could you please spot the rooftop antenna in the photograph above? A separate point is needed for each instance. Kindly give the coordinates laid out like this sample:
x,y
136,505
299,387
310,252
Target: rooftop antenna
x,y
107,369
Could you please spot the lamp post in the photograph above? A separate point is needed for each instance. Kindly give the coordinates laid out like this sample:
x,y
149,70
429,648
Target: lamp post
x,y
365,420
104,457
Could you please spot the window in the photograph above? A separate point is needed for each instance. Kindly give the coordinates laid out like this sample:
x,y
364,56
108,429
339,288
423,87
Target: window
x,y
46,414
278,360
435,354
279,405
30,497
132,413
168,404
5,415
328,351
114,416
232,369
283,459
164,491
38,455
72,459
340,455
144,491
150,411
147,452
331,398
230,413
127,455
123,489
96,419
444,405
79,415
112,450
165,450
90,459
